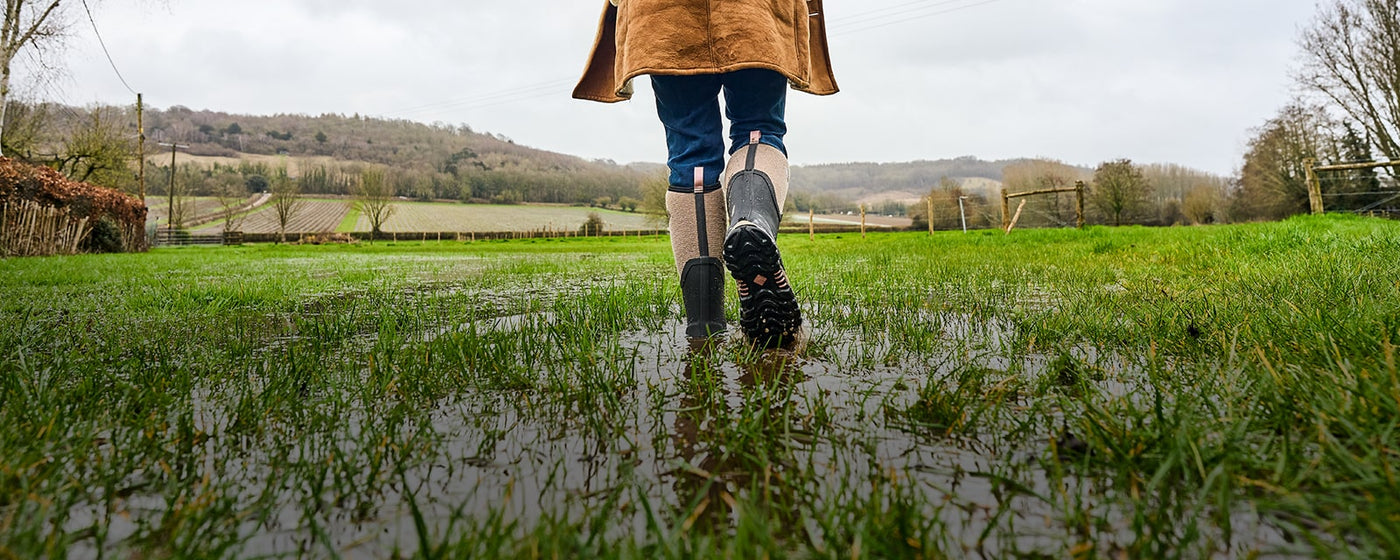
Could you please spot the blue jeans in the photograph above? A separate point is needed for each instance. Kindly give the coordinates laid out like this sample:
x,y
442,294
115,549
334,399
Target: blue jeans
x,y
689,109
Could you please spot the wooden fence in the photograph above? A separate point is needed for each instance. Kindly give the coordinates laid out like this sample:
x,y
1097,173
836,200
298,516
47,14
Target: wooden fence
x,y
1008,221
178,238
464,236
29,229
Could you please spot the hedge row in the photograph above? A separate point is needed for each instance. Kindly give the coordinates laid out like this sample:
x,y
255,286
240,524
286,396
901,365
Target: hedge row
x,y
119,219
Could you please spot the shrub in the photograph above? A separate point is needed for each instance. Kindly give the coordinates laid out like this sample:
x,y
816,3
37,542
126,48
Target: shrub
x,y
329,239
105,237
593,225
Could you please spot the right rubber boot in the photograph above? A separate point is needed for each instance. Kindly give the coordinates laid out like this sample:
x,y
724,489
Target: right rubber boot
x,y
768,310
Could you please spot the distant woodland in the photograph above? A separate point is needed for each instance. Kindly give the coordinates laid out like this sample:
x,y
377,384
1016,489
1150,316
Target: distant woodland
x,y
327,154
1345,113
424,161
232,156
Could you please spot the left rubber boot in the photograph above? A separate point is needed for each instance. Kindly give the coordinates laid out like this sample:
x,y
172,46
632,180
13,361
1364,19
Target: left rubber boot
x,y
702,290
697,225
756,182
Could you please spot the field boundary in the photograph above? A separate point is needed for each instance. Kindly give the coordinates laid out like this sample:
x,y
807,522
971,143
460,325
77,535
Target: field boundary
x,y
464,236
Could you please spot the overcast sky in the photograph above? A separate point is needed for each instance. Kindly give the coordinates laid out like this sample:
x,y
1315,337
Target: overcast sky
x,y
1083,81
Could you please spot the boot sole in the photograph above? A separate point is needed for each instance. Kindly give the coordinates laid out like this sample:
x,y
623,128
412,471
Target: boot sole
x,y
768,311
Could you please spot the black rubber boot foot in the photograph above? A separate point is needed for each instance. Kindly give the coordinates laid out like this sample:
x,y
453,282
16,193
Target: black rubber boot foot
x,y
702,288
768,311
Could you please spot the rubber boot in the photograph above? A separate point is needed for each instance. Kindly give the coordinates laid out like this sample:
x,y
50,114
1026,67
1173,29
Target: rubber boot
x,y
756,189
702,275
702,287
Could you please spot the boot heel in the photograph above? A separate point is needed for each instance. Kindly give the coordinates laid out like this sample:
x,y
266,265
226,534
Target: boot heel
x,y
702,289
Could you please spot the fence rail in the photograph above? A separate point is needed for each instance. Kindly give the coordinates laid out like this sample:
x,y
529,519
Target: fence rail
x,y
29,229
177,238
167,238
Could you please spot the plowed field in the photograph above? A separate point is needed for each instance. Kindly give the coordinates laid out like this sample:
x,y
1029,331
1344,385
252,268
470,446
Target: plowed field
x,y
314,216
419,216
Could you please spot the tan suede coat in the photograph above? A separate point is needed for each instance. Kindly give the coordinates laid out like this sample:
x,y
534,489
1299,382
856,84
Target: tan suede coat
x,y
688,37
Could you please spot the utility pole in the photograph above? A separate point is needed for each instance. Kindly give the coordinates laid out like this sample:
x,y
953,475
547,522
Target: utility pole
x,y
170,210
140,148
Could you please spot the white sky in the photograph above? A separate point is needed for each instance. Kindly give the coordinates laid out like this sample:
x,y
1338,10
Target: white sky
x,y
1084,81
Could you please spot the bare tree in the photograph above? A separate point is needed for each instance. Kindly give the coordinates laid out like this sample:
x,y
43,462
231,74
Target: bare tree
x,y
653,202
1351,57
1204,204
98,151
286,200
1120,190
1273,181
375,198
28,23
24,126
1174,186
233,201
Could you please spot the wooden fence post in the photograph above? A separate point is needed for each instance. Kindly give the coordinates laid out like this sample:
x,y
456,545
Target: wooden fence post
x,y
930,214
862,221
1079,207
1314,187
1005,210
1017,218
811,224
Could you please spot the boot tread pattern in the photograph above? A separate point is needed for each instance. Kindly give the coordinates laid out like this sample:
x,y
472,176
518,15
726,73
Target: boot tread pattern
x,y
768,310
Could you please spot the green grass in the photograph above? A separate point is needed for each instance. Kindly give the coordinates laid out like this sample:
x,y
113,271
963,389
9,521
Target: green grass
x,y
352,218
1184,392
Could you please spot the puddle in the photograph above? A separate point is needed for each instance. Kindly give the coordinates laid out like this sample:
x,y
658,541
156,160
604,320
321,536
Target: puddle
x,y
695,429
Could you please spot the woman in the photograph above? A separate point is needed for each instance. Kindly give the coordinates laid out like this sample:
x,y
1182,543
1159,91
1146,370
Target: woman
x,y
694,50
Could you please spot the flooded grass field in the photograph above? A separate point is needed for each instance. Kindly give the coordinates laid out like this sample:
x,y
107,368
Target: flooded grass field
x,y
1112,393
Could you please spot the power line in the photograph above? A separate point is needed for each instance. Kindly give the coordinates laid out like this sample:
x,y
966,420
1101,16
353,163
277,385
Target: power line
x,y
886,12
104,48
858,28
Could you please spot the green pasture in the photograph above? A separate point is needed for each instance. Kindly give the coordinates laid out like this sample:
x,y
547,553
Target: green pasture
x,y
1224,391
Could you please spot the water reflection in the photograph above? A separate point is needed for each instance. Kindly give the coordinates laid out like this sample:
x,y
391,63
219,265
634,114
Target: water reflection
x,y
732,437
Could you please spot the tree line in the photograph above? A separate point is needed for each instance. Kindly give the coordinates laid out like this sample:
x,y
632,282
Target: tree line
x,y
427,162
1117,192
1347,112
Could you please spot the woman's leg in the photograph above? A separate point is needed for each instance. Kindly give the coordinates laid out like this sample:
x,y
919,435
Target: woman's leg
x,y
756,185
689,109
756,100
